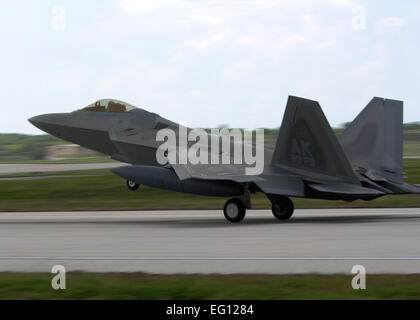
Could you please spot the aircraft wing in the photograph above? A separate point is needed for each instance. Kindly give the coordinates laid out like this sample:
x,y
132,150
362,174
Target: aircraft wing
x,y
284,185
279,184
214,172
344,189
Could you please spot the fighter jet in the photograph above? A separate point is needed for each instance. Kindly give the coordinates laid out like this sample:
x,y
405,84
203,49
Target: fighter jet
x,y
308,161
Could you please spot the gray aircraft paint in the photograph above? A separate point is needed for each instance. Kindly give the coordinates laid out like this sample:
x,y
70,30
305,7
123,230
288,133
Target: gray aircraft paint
x,y
308,160
307,143
374,140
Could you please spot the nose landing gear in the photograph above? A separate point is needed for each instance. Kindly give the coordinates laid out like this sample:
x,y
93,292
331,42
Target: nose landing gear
x,y
133,186
234,210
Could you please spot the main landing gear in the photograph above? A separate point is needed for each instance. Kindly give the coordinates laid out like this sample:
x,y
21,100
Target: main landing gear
x,y
133,186
235,208
282,208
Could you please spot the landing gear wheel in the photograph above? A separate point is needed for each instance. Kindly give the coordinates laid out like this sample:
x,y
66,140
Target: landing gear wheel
x,y
132,185
234,210
283,208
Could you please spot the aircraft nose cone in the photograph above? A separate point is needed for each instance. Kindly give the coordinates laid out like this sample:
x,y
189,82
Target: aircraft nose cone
x,y
38,120
48,122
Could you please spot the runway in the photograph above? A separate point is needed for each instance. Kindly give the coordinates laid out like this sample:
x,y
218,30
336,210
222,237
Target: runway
x,y
314,241
12,168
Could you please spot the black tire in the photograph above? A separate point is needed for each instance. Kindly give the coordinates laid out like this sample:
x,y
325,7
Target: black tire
x,y
132,185
283,208
234,210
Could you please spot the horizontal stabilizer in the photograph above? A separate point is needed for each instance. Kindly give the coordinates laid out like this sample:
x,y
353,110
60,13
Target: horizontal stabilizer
x,y
400,188
411,188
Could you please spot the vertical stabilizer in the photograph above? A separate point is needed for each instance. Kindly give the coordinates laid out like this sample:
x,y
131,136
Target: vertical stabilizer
x,y
307,145
374,140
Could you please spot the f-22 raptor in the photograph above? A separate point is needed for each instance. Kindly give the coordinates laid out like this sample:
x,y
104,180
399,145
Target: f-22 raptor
x,y
309,160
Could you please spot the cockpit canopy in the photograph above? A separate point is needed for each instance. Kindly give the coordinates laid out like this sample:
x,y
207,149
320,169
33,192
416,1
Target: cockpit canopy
x,y
109,105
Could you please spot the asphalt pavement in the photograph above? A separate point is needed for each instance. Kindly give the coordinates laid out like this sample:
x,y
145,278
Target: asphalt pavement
x,y
170,242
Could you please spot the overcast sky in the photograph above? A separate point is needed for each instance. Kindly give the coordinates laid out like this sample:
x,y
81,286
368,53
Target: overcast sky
x,y
207,62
